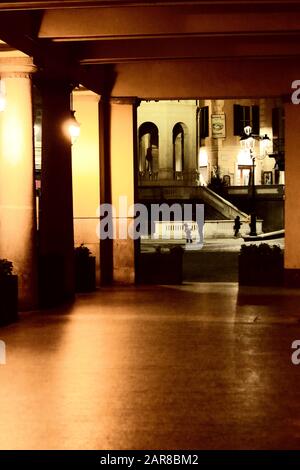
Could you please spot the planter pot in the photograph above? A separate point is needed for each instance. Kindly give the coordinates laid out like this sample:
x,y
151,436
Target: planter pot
x,y
160,268
261,270
85,274
8,300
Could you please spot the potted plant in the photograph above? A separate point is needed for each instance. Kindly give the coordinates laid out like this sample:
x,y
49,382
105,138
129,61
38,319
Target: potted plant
x,y
8,293
161,267
261,265
85,269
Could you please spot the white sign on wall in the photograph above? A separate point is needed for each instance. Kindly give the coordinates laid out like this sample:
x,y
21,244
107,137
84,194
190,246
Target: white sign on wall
x,y
218,126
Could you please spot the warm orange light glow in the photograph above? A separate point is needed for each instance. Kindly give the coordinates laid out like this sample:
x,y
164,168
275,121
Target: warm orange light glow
x,y
244,157
13,145
248,144
73,128
202,157
2,96
266,145
2,102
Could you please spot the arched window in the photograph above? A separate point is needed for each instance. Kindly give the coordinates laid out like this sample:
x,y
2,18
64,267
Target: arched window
x,y
179,137
148,146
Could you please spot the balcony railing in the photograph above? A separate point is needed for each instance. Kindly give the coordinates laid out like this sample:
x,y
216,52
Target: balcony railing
x,y
166,174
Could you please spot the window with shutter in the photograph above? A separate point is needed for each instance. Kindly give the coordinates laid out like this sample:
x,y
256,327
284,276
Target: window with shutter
x,y
203,118
245,116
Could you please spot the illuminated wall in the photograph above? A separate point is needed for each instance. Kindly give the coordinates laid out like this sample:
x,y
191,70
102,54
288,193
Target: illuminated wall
x,y
165,115
85,166
222,153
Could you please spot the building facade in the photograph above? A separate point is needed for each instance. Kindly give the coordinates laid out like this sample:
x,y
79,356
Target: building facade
x,y
198,140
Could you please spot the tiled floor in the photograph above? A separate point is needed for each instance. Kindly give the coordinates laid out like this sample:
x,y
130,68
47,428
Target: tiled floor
x,y
190,367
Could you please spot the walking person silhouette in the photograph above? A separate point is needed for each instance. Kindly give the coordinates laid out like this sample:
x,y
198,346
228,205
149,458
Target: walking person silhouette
x,y
237,226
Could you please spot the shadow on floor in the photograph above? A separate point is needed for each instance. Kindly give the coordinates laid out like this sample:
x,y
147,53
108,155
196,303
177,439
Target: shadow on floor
x,y
210,266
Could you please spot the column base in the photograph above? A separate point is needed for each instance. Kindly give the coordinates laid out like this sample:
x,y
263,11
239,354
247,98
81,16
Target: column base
x,y
124,276
124,267
53,284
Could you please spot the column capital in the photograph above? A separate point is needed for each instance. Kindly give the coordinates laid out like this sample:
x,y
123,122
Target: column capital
x,y
15,67
86,94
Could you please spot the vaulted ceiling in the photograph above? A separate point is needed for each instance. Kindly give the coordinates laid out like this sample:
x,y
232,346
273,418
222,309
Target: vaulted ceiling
x,y
88,40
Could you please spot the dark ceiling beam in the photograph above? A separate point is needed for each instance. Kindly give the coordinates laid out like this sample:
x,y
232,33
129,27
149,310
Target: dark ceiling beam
x,y
99,78
209,79
20,30
54,61
101,52
273,35
50,4
176,21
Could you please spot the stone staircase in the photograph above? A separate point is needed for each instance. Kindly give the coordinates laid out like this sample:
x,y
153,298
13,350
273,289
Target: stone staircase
x,y
217,204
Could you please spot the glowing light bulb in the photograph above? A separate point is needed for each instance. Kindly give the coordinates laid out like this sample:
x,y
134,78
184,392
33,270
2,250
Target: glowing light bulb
x,y
74,130
73,127
265,144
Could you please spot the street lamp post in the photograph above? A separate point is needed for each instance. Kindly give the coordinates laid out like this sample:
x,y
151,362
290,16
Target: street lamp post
x,y
248,143
253,232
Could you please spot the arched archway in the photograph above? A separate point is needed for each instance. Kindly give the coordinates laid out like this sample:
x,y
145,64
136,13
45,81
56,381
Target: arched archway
x,y
179,145
148,139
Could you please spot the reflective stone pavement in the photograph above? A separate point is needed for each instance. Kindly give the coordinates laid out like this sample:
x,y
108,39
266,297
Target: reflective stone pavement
x,y
201,366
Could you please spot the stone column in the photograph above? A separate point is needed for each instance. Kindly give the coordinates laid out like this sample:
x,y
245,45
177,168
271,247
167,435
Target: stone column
x,y
85,165
17,188
292,194
123,146
106,244
56,205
